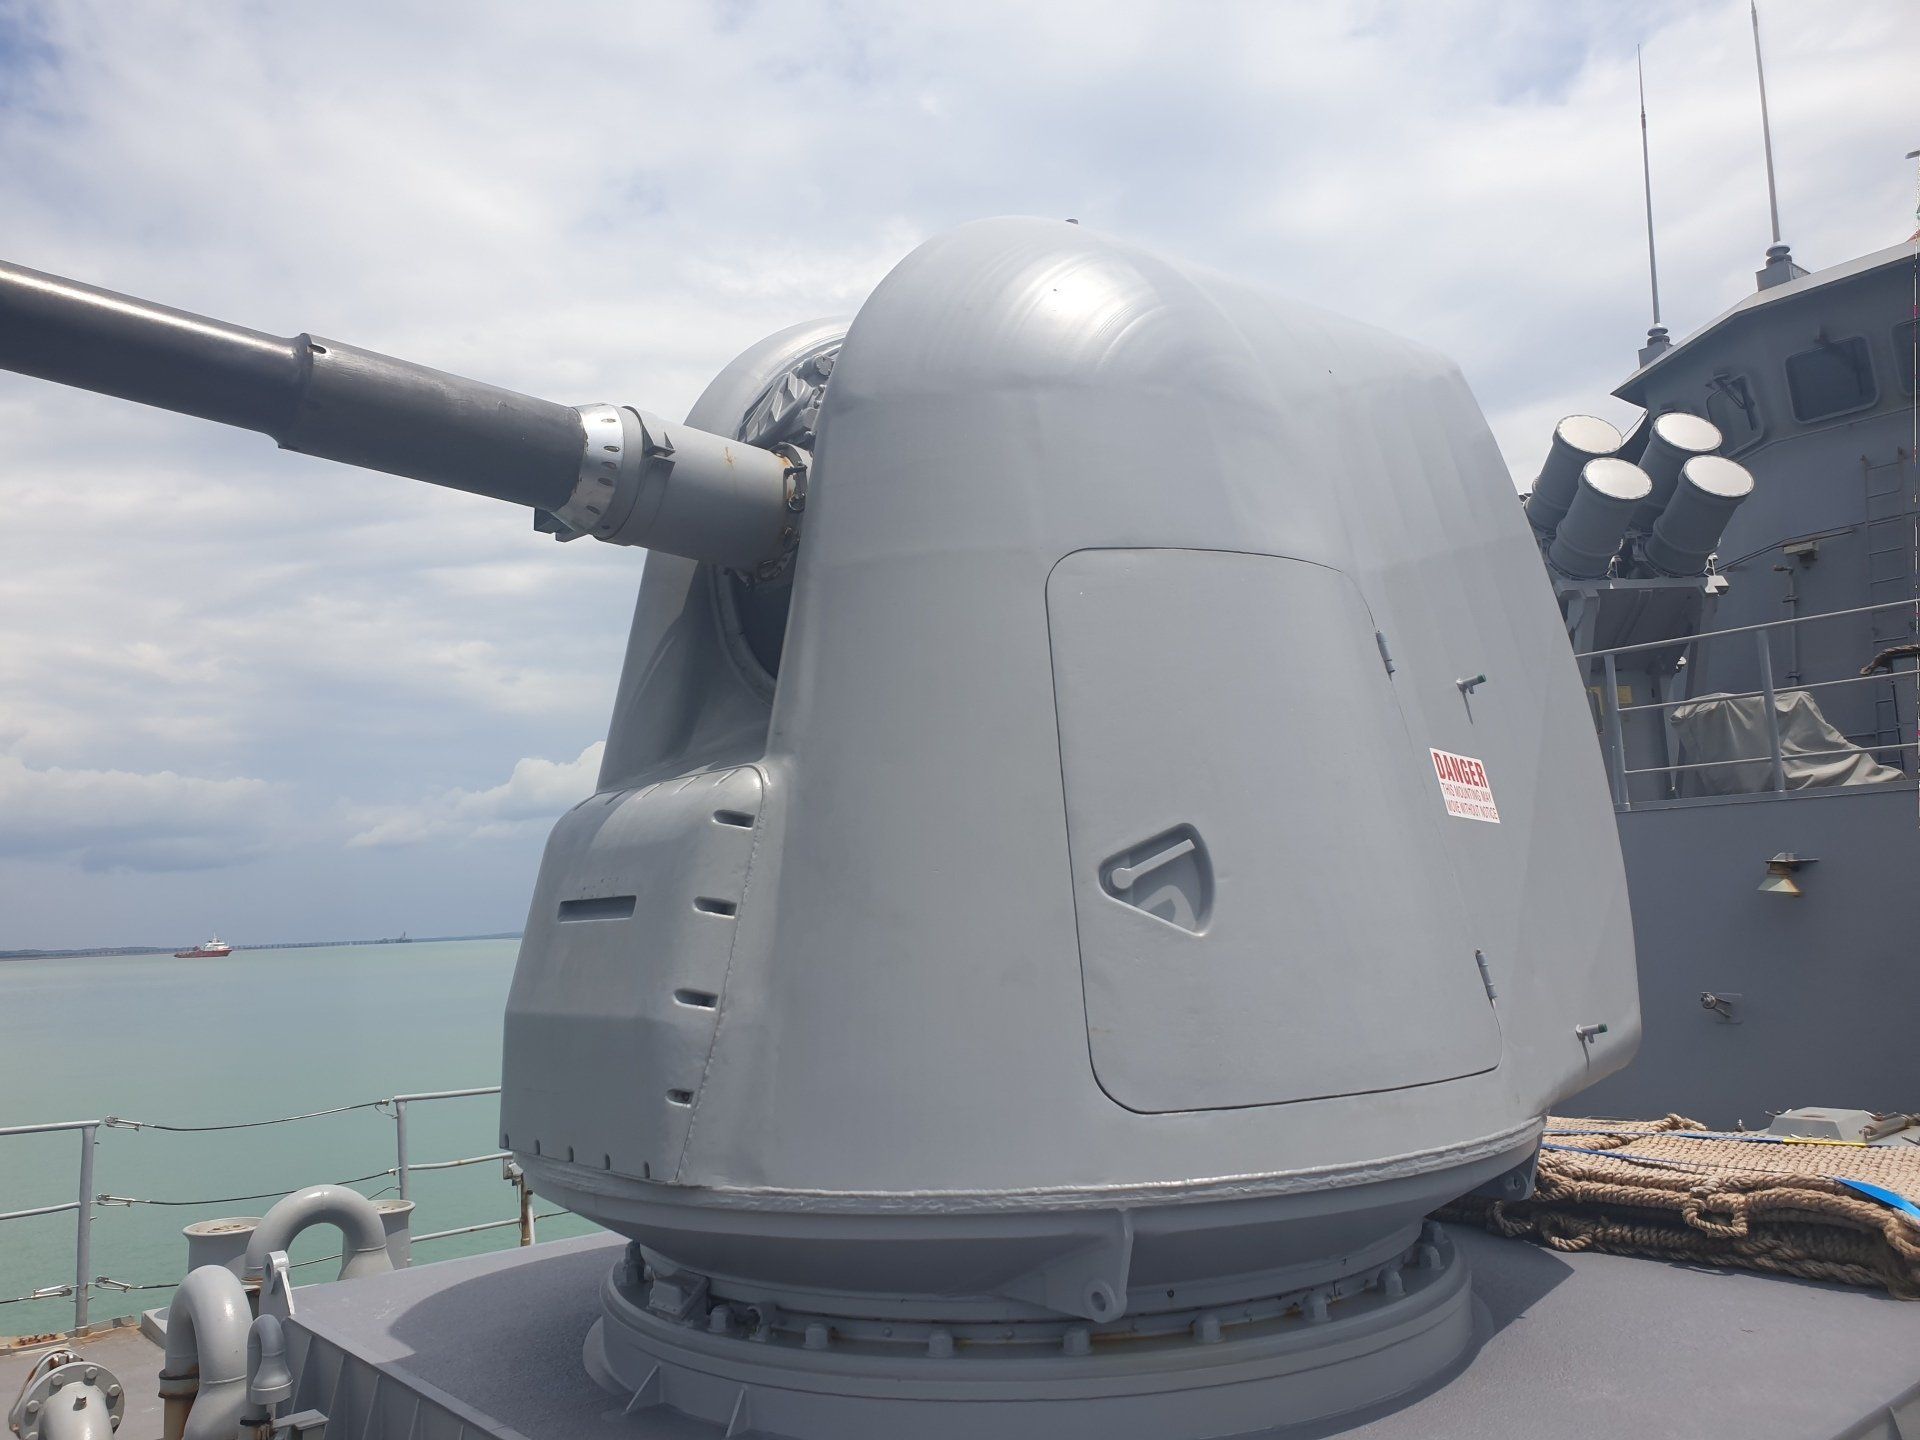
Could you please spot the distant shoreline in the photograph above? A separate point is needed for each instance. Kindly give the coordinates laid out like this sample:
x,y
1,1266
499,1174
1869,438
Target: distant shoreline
x,y
107,950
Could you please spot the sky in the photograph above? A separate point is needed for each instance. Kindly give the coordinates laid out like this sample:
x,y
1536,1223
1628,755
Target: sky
x,y
260,693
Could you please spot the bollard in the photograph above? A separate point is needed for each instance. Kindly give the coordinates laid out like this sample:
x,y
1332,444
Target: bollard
x,y
220,1242
396,1217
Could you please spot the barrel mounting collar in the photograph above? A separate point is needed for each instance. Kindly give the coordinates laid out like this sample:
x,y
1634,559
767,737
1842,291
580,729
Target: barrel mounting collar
x,y
769,571
669,486
586,509
783,419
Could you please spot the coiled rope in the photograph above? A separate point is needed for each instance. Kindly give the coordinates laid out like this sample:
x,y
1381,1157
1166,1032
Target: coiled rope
x,y
1641,1189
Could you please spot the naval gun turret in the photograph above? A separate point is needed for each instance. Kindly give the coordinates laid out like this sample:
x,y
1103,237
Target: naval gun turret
x,y
1034,972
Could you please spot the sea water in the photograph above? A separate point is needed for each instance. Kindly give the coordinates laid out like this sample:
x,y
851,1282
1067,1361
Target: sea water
x,y
255,1036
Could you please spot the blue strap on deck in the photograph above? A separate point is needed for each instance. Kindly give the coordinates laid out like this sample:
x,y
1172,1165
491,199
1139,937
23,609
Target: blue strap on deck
x,y
1892,1199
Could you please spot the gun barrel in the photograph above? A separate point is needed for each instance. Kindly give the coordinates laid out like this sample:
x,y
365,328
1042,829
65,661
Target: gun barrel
x,y
311,395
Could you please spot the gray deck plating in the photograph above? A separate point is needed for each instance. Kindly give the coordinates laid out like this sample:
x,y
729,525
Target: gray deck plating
x,y
1573,1346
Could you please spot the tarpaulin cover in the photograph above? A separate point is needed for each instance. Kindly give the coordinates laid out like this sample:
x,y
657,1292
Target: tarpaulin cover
x,y
1718,728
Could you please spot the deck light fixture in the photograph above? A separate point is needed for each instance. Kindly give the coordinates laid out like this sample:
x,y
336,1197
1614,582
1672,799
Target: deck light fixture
x,y
1779,877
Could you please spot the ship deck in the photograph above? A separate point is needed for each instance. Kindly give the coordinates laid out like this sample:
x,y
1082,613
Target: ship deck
x,y
1571,1346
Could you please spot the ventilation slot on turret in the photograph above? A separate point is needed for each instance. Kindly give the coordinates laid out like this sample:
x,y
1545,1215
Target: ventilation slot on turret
x,y
708,905
698,999
680,1097
739,819
599,907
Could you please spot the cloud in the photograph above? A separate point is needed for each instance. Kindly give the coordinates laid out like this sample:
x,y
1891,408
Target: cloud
x,y
118,819
532,797
178,599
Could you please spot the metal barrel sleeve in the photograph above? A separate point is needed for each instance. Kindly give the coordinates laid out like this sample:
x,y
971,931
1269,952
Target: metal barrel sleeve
x,y
662,486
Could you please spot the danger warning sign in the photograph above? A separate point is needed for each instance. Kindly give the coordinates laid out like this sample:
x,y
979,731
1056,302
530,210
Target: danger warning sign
x,y
1465,787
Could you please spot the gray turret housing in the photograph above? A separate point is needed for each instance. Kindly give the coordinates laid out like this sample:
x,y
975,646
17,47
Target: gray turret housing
x,y
1060,897
1073,930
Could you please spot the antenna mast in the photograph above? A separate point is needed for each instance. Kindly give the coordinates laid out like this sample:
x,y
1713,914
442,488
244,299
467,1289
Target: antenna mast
x,y
1656,333
1779,267
1766,129
1915,155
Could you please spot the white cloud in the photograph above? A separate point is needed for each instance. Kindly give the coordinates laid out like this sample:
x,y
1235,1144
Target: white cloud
x,y
117,819
174,598
531,798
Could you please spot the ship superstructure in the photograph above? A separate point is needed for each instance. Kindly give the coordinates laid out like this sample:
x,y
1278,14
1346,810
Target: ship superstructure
x,y
1757,709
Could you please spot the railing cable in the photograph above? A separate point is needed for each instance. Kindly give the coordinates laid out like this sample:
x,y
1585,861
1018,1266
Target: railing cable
x,y
118,1123
51,1292
386,1174
230,1199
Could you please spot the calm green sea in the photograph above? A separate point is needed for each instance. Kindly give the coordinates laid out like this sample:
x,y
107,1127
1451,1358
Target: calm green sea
x,y
260,1034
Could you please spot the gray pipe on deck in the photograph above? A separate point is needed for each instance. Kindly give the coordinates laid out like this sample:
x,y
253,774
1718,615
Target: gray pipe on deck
x,y
363,1249
622,476
206,1356
269,1376
77,1412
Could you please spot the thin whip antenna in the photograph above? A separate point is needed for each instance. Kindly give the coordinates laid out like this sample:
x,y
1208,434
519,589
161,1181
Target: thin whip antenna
x,y
1646,178
1779,267
1657,341
1766,129
1915,155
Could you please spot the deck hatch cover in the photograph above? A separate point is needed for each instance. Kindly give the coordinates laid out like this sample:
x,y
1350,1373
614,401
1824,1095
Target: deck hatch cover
x,y
1266,911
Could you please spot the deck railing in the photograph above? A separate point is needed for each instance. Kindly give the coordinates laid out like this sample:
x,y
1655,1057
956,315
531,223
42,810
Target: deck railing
x,y
1612,726
86,1201
82,1206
